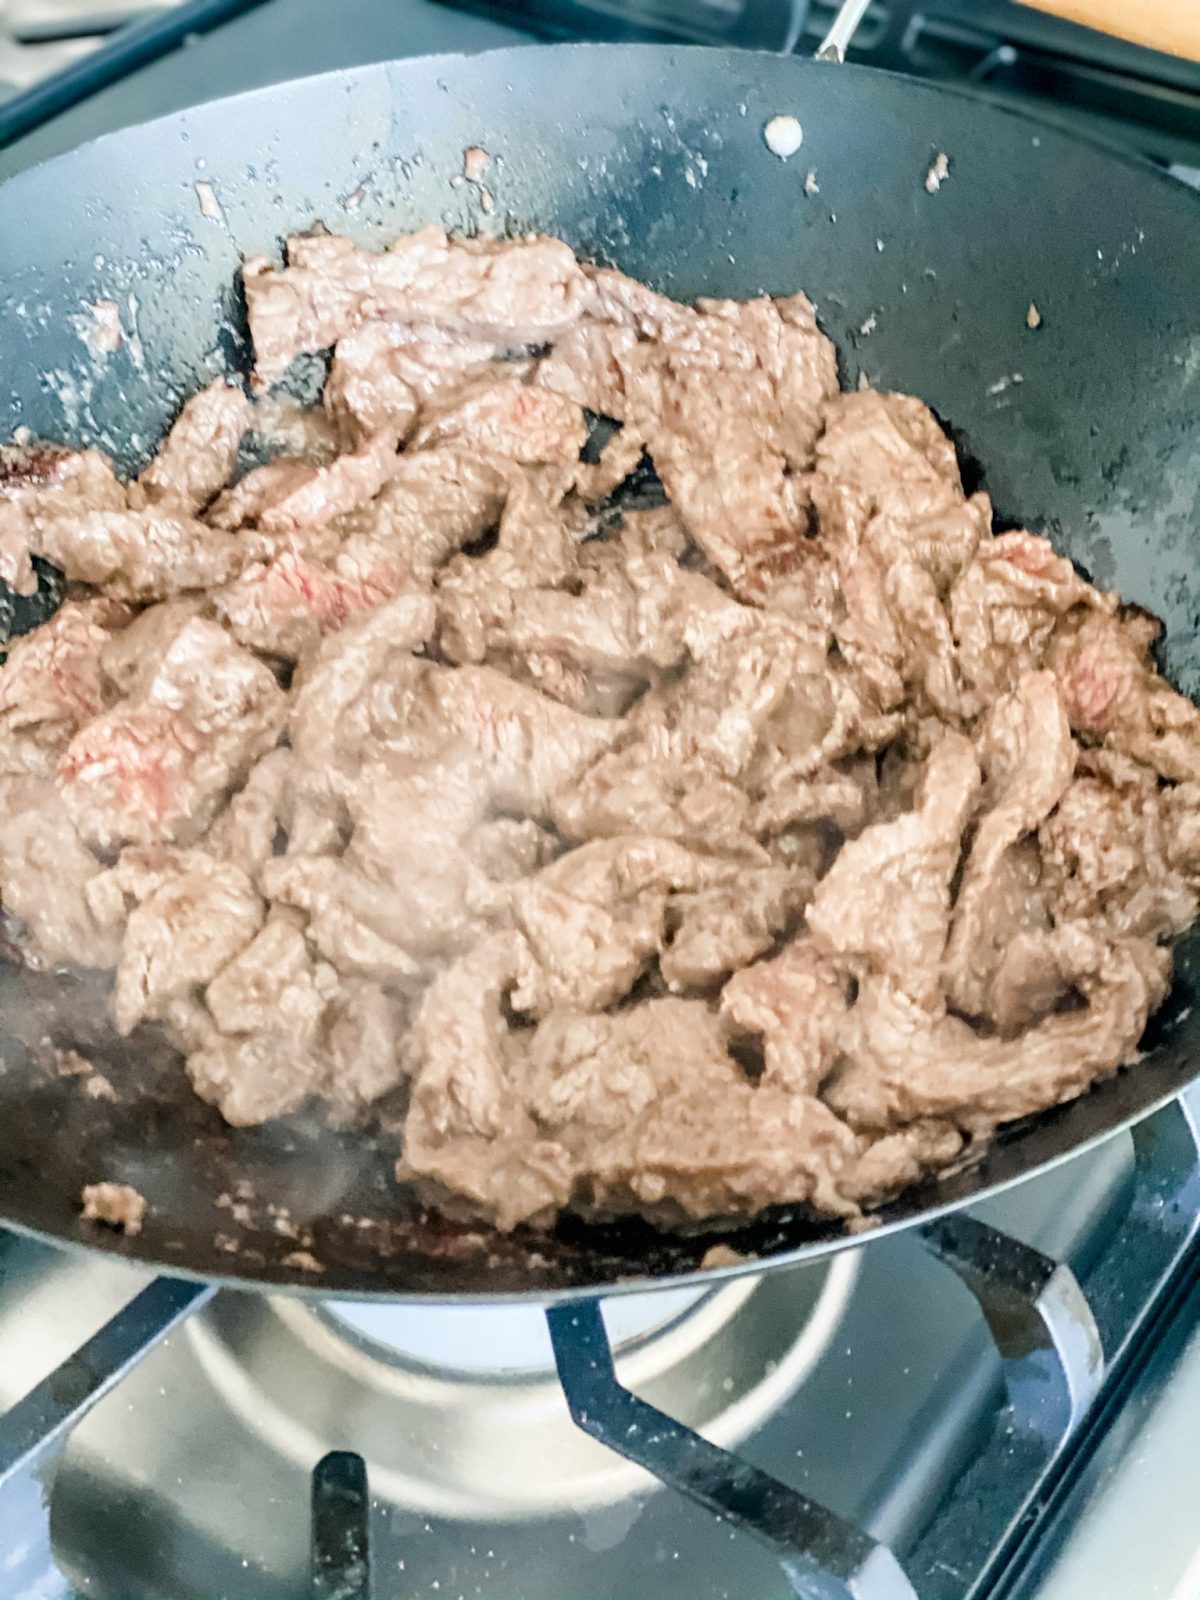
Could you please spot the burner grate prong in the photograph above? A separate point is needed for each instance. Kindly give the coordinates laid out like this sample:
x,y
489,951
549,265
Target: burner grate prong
x,y
341,1512
824,1557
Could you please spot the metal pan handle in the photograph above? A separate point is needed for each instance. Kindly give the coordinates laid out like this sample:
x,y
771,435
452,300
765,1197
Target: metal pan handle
x,y
845,25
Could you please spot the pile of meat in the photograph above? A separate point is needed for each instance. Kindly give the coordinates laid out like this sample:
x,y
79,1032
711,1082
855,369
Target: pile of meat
x,y
773,843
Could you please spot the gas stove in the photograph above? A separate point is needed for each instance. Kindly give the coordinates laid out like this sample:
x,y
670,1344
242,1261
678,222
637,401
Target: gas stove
x,y
995,1406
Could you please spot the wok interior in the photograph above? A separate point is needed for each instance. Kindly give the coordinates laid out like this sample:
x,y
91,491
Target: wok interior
x,y
654,160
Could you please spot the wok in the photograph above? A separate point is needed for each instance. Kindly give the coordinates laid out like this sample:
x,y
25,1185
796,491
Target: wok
x,y
653,159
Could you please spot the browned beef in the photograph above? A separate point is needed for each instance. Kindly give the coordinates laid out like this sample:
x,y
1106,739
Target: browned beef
x,y
772,845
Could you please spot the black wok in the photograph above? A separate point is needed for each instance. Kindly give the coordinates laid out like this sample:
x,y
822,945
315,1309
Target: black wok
x,y
1088,428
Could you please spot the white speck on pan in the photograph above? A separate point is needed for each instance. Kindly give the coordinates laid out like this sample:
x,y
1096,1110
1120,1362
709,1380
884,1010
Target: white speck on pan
x,y
870,324
105,335
811,186
938,173
210,206
783,136
354,199
1033,317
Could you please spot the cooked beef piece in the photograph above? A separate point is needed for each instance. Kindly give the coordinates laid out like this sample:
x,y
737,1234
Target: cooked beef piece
x,y
771,845
40,484
884,905
1113,691
902,1062
727,399
340,701
140,556
644,1107
1005,606
284,607
262,488
52,684
199,454
1028,759
717,930
435,503
190,914
889,452
132,655
595,917
386,374
1110,853
47,877
522,292
345,484
510,419
246,831
365,392
158,766
796,1005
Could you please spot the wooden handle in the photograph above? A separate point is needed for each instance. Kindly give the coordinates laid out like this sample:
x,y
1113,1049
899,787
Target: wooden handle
x,y
1170,25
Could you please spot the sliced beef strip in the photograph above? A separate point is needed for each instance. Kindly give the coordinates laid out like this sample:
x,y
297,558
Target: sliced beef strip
x,y
674,768
1028,759
718,930
884,905
1113,691
348,482
365,393
408,881
889,450
46,875
198,456
340,700
246,831
903,1062
131,656
508,418
151,554
52,683
272,985
1109,854
41,484
190,914
263,487
435,502
593,1108
344,908
796,1005
523,291
157,767
533,747
1006,604
594,918
286,606
715,440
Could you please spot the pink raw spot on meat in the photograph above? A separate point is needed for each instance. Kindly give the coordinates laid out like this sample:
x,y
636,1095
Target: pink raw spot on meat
x,y
1093,684
332,599
135,759
1028,552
